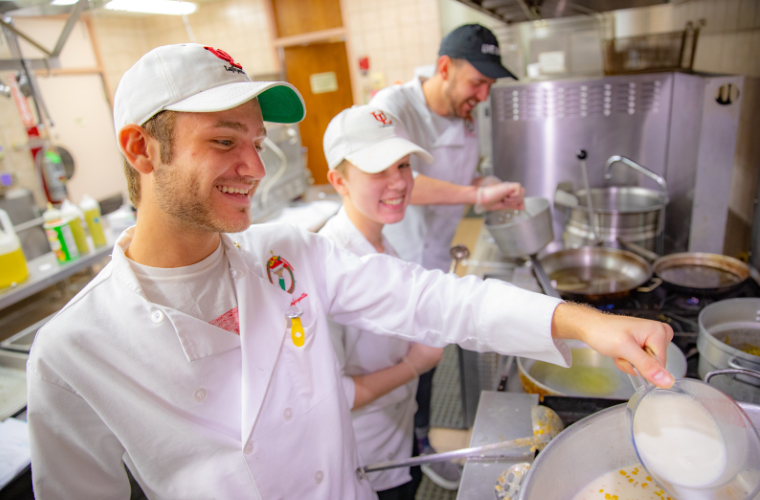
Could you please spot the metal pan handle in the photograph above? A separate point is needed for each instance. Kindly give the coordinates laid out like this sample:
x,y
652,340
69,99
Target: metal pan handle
x,y
732,371
653,283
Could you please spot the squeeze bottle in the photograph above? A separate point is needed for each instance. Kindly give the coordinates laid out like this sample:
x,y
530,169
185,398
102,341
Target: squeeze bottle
x,y
59,235
12,261
91,210
75,216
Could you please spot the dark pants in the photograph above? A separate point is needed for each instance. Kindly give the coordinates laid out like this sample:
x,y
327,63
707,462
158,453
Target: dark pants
x,y
424,393
406,491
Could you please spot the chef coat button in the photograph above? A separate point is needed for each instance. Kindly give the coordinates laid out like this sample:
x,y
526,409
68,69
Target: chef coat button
x,y
200,394
288,414
234,273
156,316
248,448
318,476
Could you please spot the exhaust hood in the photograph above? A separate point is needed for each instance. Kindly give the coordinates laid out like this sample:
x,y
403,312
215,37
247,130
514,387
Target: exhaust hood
x,y
518,11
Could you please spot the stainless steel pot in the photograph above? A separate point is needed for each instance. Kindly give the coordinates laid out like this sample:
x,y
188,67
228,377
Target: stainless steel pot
x,y
591,374
584,451
729,330
633,214
526,234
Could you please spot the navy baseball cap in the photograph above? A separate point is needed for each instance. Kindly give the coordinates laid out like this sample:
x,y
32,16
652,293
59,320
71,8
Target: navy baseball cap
x,y
479,47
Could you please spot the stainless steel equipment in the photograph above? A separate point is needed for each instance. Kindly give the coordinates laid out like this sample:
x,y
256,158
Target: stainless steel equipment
x,y
632,214
596,273
598,444
729,337
701,273
671,122
524,236
12,383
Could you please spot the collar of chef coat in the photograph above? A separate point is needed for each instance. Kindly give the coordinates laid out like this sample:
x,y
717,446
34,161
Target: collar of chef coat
x,y
197,338
453,134
261,313
352,239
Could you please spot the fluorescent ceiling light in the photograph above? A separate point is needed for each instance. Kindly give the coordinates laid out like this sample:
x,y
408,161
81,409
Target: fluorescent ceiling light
x,y
170,7
64,2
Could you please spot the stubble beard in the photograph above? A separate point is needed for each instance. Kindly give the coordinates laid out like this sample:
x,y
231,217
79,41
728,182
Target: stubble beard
x,y
183,201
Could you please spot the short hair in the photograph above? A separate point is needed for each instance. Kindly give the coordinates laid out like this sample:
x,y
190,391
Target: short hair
x,y
456,62
342,168
161,128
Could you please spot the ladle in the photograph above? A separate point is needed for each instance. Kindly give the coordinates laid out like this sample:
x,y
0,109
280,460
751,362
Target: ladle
x,y
546,426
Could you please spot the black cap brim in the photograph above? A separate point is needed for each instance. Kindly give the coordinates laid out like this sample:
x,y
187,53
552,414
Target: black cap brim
x,y
492,69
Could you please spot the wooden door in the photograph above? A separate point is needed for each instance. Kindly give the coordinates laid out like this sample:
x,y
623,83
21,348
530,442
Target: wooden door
x,y
320,72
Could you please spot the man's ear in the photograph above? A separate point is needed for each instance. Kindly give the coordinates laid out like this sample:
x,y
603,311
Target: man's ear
x,y
444,67
338,182
137,147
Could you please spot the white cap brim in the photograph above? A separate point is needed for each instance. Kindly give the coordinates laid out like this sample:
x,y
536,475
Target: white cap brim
x,y
280,102
379,156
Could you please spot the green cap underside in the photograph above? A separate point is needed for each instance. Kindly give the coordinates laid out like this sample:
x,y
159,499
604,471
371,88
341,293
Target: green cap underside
x,y
281,104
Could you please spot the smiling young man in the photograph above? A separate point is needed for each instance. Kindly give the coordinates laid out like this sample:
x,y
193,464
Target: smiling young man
x,y
436,114
201,360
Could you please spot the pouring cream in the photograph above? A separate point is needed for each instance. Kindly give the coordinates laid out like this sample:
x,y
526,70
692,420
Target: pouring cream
x,y
678,440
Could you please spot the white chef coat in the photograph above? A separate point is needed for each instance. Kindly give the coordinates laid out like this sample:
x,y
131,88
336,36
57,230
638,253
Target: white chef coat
x,y
384,427
424,235
114,377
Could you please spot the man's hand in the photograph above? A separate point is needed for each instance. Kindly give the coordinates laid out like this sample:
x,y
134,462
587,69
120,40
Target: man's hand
x,y
424,358
618,337
504,195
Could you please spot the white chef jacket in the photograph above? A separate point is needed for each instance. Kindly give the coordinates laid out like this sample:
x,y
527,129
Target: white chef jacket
x,y
424,235
114,377
384,427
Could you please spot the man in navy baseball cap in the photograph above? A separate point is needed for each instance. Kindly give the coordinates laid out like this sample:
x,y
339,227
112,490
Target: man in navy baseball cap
x,y
479,47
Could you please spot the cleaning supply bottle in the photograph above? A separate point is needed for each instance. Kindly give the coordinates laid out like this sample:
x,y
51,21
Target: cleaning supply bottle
x,y
75,216
92,216
59,235
12,261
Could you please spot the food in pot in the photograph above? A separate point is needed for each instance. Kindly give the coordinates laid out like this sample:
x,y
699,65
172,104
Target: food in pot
x,y
744,346
582,378
628,483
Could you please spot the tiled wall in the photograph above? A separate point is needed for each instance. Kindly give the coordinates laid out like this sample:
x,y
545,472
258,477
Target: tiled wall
x,y
396,35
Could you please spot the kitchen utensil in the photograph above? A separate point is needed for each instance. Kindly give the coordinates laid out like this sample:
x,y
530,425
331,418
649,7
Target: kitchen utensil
x,y
508,484
701,273
458,254
739,479
526,235
589,204
591,374
546,425
13,267
594,274
729,338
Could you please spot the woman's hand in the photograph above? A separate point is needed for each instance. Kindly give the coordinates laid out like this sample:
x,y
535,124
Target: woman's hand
x,y
621,338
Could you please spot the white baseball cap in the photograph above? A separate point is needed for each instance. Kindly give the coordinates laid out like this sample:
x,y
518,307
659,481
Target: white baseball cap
x,y
195,78
366,136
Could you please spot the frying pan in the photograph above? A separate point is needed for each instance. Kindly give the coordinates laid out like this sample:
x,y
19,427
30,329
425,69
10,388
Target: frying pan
x,y
594,274
694,272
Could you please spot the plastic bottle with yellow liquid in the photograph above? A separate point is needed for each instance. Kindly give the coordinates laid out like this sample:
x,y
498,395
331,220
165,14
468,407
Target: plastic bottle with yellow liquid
x,y
92,216
75,216
13,267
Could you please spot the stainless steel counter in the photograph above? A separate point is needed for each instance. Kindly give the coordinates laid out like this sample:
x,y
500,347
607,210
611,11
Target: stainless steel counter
x,y
501,416
45,271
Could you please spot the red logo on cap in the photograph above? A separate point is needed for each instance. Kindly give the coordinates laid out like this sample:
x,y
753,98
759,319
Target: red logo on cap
x,y
223,56
380,116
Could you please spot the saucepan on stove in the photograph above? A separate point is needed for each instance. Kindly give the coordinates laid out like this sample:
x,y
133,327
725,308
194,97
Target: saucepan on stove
x,y
729,337
695,273
596,274
591,374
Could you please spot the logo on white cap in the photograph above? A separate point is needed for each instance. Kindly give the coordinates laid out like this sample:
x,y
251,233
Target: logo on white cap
x,y
234,67
380,116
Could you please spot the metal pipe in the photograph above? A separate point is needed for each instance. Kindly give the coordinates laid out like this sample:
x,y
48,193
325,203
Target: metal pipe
x,y
76,9
17,32
640,169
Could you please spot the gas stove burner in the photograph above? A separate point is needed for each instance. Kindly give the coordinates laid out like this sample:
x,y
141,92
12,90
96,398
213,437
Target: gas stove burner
x,y
689,303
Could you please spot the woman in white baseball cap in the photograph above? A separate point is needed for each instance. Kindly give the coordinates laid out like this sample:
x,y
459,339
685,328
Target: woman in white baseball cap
x,y
369,167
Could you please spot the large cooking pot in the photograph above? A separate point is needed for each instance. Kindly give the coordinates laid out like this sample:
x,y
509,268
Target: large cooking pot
x,y
593,274
591,374
525,233
634,214
729,337
584,451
